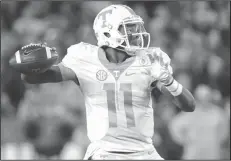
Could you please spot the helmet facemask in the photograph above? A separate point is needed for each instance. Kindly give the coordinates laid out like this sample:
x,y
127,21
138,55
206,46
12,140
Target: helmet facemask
x,y
133,35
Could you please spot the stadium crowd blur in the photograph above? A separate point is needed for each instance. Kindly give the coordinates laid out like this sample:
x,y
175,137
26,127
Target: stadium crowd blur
x,y
50,118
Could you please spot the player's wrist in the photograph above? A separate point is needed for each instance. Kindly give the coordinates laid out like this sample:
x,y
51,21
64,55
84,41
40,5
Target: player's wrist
x,y
175,88
168,80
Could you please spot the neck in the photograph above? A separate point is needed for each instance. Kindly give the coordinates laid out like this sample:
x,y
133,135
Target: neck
x,y
115,56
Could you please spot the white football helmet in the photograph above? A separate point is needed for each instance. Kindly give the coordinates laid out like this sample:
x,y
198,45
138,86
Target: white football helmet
x,y
118,26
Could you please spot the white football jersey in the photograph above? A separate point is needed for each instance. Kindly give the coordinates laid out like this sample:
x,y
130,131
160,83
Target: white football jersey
x,y
117,97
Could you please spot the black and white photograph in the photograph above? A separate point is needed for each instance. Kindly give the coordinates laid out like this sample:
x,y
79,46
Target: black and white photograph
x,y
115,80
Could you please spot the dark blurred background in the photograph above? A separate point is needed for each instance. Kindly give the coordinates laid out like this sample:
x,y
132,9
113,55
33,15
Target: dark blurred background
x,y
48,121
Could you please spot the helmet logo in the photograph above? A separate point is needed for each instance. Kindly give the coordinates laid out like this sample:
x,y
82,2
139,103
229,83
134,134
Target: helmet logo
x,y
101,75
104,16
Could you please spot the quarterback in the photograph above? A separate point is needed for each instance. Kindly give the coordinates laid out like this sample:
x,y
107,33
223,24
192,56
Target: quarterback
x,y
116,78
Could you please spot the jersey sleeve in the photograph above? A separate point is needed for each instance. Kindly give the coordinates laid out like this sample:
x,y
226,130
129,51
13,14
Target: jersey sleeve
x,y
72,59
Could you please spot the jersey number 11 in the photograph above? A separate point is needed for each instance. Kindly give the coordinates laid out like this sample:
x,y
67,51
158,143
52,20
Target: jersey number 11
x,y
111,101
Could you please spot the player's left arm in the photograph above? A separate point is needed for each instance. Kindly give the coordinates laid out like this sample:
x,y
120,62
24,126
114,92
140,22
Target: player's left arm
x,y
162,72
181,96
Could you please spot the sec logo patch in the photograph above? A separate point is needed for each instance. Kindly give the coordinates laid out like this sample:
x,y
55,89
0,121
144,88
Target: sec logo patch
x,y
101,75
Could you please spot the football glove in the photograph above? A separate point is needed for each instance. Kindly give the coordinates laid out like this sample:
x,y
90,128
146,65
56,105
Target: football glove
x,y
161,69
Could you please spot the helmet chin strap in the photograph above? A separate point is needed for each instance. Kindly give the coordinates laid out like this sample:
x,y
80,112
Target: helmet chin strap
x,y
119,48
131,52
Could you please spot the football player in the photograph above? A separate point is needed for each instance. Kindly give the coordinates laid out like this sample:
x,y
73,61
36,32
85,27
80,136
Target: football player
x,y
116,78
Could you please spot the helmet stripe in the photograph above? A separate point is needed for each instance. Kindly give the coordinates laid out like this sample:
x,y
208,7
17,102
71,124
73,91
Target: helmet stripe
x,y
129,10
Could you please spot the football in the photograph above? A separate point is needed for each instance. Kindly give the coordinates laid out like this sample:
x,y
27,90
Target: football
x,y
34,58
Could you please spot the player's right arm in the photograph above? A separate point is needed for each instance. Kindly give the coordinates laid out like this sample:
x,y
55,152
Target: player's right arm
x,y
64,71
57,73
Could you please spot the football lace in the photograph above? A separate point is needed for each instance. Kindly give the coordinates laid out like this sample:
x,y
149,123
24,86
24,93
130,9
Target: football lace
x,y
33,45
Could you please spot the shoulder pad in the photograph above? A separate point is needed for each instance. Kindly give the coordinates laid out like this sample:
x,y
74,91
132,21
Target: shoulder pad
x,y
77,52
81,48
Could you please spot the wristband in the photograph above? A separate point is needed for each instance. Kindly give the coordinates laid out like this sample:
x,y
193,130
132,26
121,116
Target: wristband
x,y
170,82
175,88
